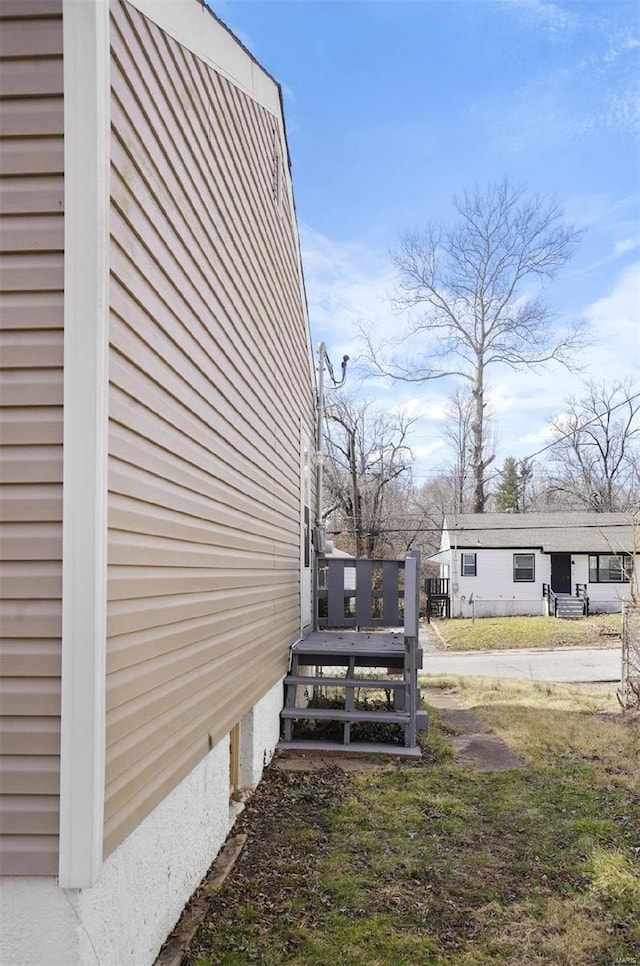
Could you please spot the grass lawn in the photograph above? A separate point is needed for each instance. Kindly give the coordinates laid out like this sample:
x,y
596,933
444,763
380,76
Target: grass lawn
x,y
433,863
498,633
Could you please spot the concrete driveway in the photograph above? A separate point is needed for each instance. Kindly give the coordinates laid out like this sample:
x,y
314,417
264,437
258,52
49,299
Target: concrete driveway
x,y
579,664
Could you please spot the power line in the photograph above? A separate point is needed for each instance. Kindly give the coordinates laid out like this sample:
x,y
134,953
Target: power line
x,y
445,475
578,429
470,530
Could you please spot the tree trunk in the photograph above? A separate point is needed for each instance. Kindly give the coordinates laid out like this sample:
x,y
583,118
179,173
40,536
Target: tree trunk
x,y
357,522
477,438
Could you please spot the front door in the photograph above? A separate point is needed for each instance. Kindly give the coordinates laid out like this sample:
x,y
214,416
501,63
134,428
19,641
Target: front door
x,y
561,573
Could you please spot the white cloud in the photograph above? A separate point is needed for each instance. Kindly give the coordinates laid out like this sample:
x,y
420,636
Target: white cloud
x,y
347,285
422,452
589,92
626,245
550,14
419,408
350,283
615,323
528,400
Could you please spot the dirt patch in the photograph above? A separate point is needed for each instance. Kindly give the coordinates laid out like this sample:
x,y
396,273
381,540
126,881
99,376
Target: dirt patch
x,y
484,752
474,745
298,762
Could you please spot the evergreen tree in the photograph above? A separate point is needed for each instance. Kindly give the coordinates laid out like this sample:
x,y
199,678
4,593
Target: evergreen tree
x,y
514,476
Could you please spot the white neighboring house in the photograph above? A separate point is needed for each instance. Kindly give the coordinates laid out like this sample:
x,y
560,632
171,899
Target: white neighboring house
x,y
501,564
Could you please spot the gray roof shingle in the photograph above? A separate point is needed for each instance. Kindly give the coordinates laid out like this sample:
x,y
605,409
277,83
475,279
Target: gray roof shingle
x,y
570,532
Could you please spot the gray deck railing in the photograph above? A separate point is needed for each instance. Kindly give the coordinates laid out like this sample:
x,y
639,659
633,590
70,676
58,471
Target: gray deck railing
x,y
438,598
582,592
553,600
359,592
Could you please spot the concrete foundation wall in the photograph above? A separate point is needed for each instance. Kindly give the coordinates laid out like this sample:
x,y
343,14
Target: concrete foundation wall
x,y
144,884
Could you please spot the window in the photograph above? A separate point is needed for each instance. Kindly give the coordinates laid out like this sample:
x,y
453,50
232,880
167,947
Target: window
x,y
524,568
468,565
608,568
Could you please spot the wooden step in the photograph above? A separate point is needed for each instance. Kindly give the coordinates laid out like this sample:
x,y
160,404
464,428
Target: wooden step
x,y
378,684
573,610
355,748
337,714
343,659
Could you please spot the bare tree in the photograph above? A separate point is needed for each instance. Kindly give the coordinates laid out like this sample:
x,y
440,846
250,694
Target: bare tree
x,y
458,432
367,452
596,460
470,286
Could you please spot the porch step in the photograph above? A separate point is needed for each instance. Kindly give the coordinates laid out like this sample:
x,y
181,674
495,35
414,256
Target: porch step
x,y
354,748
392,661
336,714
571,607
377,684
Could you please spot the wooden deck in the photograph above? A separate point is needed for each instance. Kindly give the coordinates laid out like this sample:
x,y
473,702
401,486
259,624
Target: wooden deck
x,y
316,661
367,648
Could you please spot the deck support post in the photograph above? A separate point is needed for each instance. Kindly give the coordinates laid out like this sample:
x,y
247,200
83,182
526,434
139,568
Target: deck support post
x,y
411,635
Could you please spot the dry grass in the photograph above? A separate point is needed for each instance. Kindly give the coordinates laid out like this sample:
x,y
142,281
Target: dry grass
x,y
499,633
438,864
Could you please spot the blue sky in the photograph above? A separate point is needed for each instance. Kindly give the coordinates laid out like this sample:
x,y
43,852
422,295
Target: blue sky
x,y
392,107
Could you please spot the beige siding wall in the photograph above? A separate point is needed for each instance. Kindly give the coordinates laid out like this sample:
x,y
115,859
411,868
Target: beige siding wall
x,y
31,313
210,383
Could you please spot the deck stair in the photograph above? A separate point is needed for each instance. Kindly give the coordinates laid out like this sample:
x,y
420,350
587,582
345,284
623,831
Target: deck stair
x,y
566,606
569,607
352,662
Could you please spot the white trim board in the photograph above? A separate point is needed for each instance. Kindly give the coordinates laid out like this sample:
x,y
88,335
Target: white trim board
x,y
84,529
194,27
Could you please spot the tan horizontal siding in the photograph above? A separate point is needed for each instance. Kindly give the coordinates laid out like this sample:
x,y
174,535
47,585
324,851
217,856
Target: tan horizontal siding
x,y
21,196
15,9
20,814
31,618
42,119
38,501
30,774
42,233
32,578
18,273
30,78
210,383
172,447
31,358
30,541
31,854
207,219
40,657
20,735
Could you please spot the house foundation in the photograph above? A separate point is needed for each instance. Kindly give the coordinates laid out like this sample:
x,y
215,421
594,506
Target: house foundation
x,y
142,887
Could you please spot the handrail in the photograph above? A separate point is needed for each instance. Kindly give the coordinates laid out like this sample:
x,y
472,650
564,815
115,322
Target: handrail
x,y
581,592
553,599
